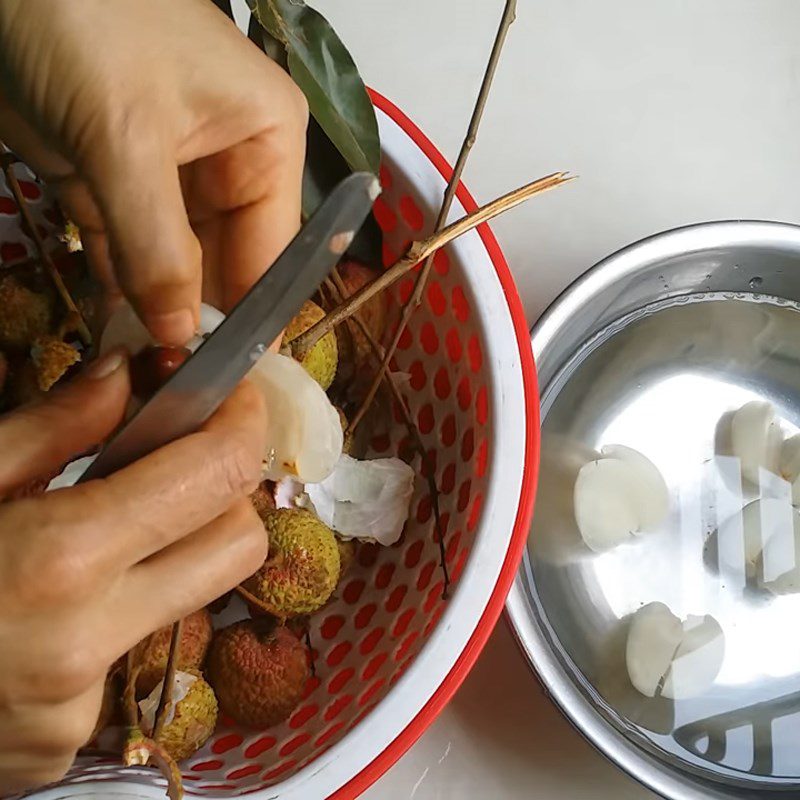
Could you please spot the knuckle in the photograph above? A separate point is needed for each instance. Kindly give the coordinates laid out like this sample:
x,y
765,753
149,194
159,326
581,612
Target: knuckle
x,y
62,575
253,542
76,672
238,466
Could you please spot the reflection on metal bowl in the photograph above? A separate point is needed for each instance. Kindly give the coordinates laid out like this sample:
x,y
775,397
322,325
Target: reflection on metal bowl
x,y
655,348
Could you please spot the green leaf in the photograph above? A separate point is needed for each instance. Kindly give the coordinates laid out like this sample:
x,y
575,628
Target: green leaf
x,y
322,67
266,42
324,169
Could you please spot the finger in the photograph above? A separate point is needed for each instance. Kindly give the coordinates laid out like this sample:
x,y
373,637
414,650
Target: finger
x,y
155,253
38,743
81,208
37,439
245,205
23,139
172,492
196,570
50,729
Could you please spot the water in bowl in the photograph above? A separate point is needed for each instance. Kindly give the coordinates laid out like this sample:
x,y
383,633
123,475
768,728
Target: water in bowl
x,y
664,381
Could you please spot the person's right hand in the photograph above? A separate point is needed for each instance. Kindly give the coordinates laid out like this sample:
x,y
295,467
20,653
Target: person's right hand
x,y
87,572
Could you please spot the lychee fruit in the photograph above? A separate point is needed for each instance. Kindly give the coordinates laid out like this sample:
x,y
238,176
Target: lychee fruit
x,y
347,555
347,446
322,360
302,568
152,654
190,720
51,358
263,499
26,314
355,352
259,672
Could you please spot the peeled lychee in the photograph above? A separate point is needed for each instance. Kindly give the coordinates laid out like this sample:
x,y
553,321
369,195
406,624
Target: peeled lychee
x,y
191,719
25,314
152,655
303,565
258,671
323,358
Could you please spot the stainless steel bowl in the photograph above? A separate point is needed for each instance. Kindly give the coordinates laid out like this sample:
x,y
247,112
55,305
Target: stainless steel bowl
x,y
653,348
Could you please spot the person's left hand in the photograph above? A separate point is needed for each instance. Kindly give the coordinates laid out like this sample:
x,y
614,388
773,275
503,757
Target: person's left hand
x,y
165,131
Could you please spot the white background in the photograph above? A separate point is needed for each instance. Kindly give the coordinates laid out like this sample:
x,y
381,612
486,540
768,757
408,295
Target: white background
x,y
671,112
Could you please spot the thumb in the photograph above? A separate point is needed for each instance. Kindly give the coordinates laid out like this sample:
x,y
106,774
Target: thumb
x,y
156,256
38,439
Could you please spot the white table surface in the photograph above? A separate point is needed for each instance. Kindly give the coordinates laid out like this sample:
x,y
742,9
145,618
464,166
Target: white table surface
x,y
671,112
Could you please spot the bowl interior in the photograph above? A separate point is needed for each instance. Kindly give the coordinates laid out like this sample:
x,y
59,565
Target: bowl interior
x,y
654,350
369,642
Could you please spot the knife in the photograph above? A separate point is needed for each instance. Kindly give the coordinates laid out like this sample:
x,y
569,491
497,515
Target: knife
x,y
200,385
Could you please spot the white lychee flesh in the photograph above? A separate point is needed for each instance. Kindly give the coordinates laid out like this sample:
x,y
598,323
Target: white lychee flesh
x,y
304,433
673,658
618,496
756,439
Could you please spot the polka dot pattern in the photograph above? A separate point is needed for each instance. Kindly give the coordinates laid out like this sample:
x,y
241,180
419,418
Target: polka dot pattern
x,y
390,602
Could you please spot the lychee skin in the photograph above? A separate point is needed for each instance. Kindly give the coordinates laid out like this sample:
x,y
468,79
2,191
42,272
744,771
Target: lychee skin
x,y
263,500
52,358
195,640
322,360
355,352
303,565
194,721
258,672
26,314
347,555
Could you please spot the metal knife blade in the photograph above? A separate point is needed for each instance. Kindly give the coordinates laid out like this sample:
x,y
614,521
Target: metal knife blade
x,y
195,391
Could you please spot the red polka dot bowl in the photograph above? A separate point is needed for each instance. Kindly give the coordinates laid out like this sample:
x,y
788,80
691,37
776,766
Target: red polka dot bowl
x,y
390,650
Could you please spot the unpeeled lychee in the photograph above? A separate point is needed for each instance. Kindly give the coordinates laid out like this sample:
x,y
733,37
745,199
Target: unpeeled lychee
x,y
25,314
52,358
194,716
258,671
263,499
347,555
322,360
152,655
302,568
355,352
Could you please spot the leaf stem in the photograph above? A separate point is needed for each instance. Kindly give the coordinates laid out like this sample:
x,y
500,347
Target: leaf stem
x,y
417,252
339,291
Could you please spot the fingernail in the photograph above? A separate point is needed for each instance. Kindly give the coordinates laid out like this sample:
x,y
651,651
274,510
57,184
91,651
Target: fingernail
x,y
105,366
174,328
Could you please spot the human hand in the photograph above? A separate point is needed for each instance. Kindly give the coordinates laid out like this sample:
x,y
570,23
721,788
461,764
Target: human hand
x,y
166,132
87,572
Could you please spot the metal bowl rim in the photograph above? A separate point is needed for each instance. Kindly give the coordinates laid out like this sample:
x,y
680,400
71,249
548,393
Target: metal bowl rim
x,y
525,624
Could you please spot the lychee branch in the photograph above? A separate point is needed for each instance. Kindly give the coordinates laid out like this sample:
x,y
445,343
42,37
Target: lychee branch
x,y
419,251
165,701
338,290
44,256
509,15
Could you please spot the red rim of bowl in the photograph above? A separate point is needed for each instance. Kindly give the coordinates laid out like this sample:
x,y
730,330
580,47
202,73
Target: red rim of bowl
x,y
409,735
